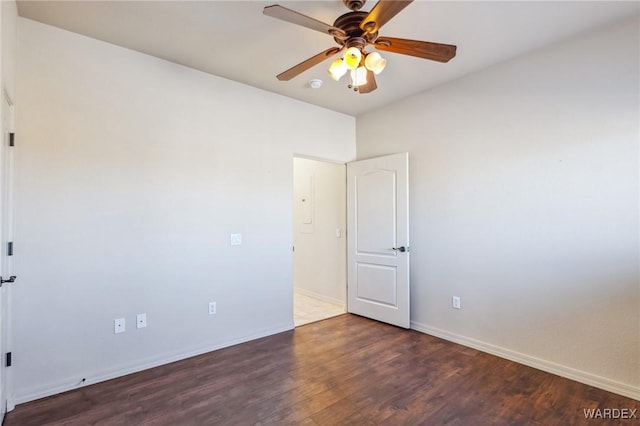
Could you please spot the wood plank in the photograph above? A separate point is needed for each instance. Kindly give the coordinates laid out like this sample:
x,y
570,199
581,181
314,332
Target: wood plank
x,y
344,370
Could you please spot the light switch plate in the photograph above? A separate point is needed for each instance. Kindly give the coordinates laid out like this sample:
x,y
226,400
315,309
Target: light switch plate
x,y
455,302
236,239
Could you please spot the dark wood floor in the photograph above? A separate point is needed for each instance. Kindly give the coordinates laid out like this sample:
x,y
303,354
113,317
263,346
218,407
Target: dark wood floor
x,y
343,371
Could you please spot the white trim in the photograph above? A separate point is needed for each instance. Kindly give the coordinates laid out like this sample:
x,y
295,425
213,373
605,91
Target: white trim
x,y
541,364
143,365
322,297
321,159
9,222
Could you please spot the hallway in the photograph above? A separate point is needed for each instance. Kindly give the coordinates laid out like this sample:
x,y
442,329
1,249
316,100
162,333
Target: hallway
x,y
309,309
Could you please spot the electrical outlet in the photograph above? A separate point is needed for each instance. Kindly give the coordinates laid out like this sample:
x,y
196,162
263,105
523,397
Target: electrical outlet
x,y
455,302
212,308
119,325
141,320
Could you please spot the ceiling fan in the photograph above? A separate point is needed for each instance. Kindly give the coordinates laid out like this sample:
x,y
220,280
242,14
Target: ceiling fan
x,y
353,31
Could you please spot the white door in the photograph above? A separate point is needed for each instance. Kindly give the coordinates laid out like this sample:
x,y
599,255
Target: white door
x,y
378,238
6,231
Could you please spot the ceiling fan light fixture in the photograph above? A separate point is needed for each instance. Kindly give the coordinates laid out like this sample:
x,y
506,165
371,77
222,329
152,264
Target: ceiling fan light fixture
x,y
337,69
352,57
374,62
353,32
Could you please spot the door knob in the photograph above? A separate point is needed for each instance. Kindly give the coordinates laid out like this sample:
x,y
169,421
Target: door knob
x,y
400,249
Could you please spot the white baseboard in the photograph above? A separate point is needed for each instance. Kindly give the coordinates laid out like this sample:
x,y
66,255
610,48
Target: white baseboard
x,y
322,297
541,364
144,364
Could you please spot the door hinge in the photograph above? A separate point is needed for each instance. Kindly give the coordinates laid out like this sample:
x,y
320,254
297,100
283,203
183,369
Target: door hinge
x,y
10,248
11,279
8,359
12,139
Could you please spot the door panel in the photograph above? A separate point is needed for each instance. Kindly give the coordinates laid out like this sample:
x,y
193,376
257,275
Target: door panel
x,y
378,223
375,211
377,284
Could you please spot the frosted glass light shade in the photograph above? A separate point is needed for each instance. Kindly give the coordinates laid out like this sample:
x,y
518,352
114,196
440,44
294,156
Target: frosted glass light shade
x,y
359,76
374,62
337,69
352,57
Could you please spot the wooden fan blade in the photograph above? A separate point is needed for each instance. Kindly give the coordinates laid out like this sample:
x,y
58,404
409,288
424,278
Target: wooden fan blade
x,y
382,13
421,49
371,83
288,15
305,65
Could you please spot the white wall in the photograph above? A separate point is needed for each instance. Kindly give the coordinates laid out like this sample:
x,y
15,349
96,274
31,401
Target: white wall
x,y
524,202
320,258
9,13
131,174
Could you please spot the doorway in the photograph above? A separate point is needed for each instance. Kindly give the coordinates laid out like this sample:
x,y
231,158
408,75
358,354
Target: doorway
x,y
319,238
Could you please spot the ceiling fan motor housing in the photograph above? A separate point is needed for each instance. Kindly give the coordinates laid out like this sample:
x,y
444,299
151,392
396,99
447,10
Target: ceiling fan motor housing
x,y
350,24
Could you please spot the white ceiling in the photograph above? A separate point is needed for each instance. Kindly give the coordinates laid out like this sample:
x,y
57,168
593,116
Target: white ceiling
x,y
233,39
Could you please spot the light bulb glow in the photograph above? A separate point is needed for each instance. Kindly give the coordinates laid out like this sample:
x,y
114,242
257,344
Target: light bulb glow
x,y
374,62
337,69
352,57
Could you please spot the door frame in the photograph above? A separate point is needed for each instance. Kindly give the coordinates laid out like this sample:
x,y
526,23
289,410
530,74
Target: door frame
x,y
346,229
342,299
7,223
